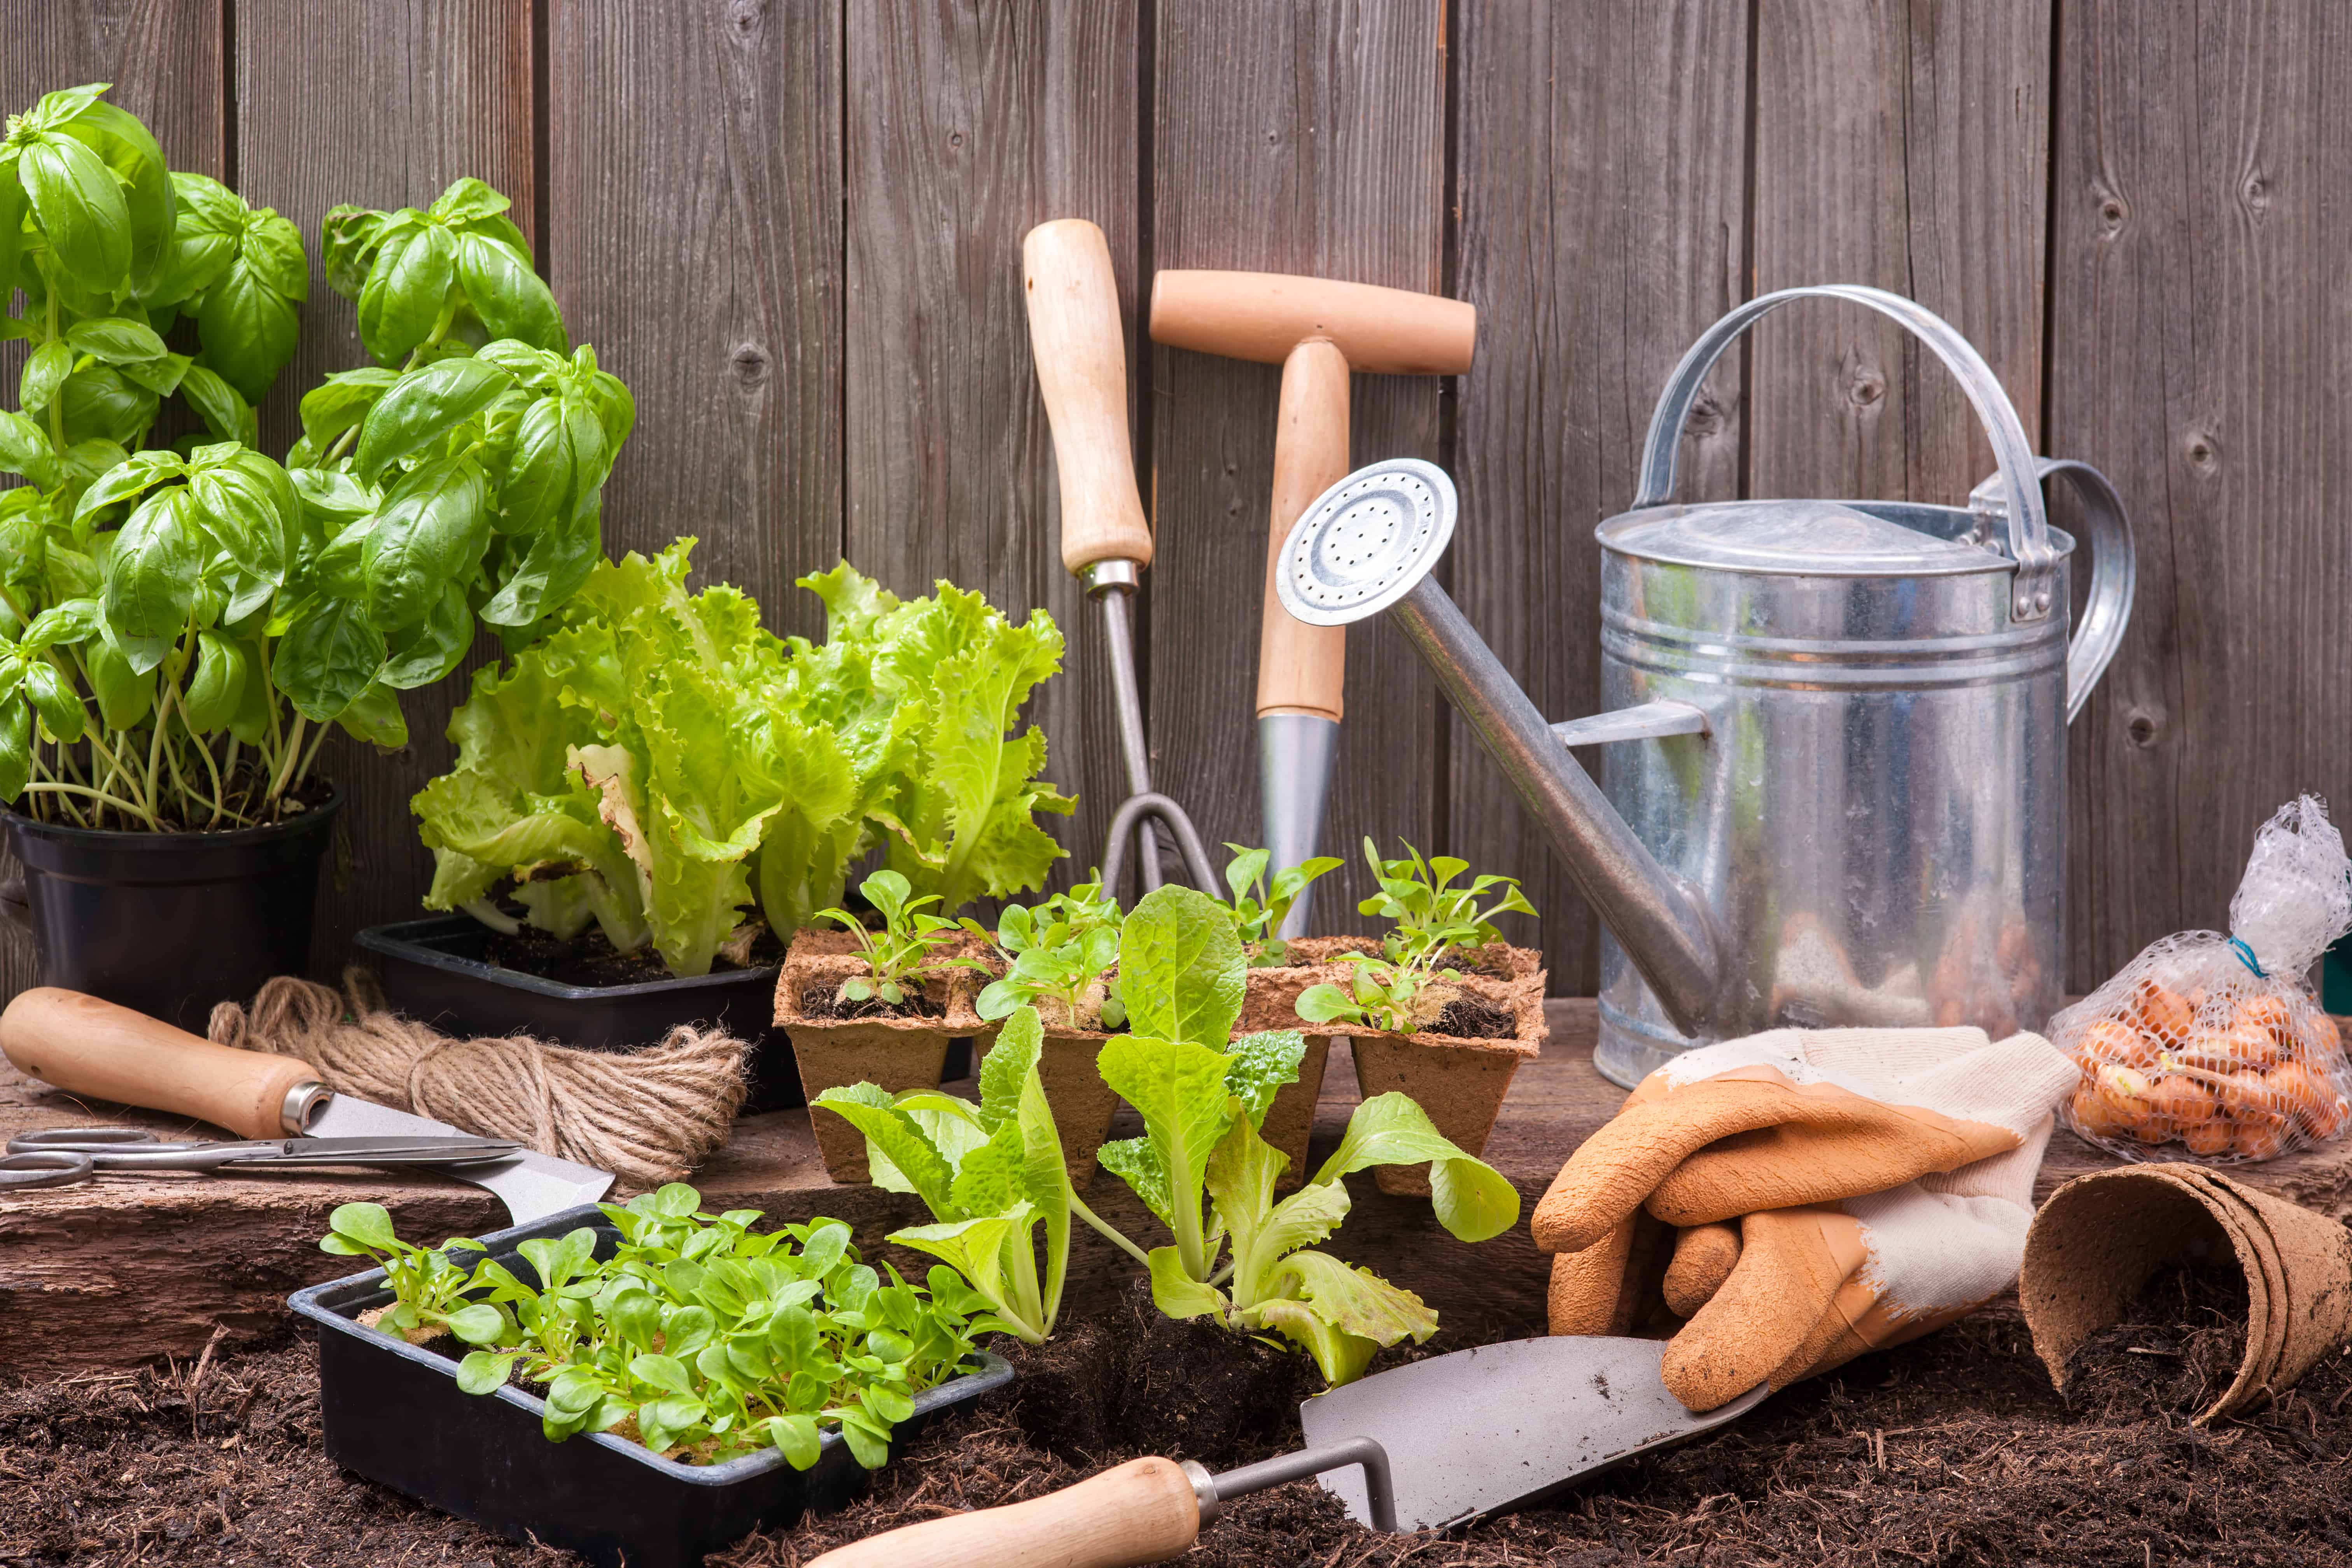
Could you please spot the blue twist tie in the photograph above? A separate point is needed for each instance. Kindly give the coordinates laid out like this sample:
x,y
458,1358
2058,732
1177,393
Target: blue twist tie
x,y
2246,957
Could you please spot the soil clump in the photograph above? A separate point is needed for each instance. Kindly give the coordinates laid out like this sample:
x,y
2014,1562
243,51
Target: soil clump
x,y
829,1003
589,959
2176,1351
1474,1019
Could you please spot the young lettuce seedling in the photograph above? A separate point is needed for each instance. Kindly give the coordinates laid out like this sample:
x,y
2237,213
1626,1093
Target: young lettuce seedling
x,y
1236,1254
428,1286
1408,986
1258,911
904,945
1057,957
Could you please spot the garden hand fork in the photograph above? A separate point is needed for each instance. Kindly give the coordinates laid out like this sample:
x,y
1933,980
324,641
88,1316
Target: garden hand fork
x,y
1075,332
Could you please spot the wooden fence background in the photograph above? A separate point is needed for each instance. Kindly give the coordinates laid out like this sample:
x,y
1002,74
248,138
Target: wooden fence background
x,y
793,227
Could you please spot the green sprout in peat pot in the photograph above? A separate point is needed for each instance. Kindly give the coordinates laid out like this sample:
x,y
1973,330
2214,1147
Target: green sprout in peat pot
x,y
1432,923
992,1175
699,1338
1259,909
430,1288
905,944
1058,958
1236,1254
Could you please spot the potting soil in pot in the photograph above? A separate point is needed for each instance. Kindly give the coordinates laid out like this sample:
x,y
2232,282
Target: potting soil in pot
x,y
589,959
1952,1450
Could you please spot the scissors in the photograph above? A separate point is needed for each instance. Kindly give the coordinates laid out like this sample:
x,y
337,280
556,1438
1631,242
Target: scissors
x,y
64,1155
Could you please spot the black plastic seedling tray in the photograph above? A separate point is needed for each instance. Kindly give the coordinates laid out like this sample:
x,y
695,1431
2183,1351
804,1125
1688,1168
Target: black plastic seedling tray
x,y
394,1412
434,972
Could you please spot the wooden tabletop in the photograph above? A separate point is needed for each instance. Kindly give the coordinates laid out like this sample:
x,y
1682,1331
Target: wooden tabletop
x,y
136,1266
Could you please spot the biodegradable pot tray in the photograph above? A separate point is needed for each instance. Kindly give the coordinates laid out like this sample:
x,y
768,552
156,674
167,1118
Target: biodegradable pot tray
x,y
1459,1082
434,970
895,1054
394,1412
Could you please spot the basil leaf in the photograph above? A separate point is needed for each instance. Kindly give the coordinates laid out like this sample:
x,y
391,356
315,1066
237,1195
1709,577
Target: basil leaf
x,y
45,372
151,579
247,328
25,449
125,697
129,154
97,403
511,299
375,716
217,689
424,406
80,208
221,406
551,571
327,658
405,292
434,647
349,239
542,474
61,626
204,237
247,516
116,340
162,376
16,748
132,477
341,400
430,532
12,224
467,198
62,714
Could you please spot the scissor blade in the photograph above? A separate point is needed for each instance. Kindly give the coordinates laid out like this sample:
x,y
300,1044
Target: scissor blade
x,y
458,1150
532,1184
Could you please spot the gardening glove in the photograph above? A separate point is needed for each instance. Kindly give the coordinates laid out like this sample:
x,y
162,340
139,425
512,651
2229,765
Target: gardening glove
x,y
1801,1197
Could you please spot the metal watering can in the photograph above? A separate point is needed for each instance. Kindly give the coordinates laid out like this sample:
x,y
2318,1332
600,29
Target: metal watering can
x,y
1834,738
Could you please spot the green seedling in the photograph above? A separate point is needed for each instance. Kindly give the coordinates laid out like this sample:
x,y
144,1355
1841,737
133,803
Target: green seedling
x,y
1429,917
1402,997
430,1288
1258,909
1058,958
904,945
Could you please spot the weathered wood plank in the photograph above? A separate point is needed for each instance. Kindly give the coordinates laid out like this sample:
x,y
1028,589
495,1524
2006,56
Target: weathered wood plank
x,y
1307,140
164,60
383,105
968,126
1601,212
695,199
1906,147
137,1268
2200,301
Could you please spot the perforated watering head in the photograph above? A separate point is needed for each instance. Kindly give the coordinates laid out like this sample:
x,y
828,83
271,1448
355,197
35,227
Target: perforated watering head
x,y
1366,542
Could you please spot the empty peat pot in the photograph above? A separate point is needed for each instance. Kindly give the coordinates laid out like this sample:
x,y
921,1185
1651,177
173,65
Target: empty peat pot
x,y
169,923
2101,1237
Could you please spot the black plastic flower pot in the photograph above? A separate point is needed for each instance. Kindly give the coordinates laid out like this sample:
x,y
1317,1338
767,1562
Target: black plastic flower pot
x,y
169,923
435,971
394,1412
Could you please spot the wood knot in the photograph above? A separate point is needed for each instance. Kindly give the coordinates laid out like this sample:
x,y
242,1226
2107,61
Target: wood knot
x,y
2113,215
2203,452
1706,418
2143,727
750,363
748,18
955,137
1864,386
2254,195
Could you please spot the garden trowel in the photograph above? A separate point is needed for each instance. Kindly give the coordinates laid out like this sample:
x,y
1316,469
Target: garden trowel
x,y
86,1046
1428,1444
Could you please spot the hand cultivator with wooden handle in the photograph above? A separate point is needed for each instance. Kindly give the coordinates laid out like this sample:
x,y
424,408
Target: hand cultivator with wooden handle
x,y
1318,331
1075,333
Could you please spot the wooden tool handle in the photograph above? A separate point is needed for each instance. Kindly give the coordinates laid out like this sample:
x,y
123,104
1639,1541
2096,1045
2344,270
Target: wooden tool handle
x,y
1143,1511
1081,352
84,1046
1261,315
1302,668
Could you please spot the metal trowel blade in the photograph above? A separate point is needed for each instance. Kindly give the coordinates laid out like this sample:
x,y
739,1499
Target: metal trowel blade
x,y
532,1185
1498,1427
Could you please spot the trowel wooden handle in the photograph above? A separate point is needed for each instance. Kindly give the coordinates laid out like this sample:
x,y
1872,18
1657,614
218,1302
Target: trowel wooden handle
x,y
1143,1511
84,1046
1303,669
1081,352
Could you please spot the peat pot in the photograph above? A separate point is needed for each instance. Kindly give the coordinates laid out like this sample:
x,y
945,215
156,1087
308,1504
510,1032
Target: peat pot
x,y
168,923
394,1412
436,971
1833,749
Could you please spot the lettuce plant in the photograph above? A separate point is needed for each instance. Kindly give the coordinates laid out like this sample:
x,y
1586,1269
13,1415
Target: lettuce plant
x,y
1428,916
1057,957
658,761
1258,909
431,1291
699,1338
904,945
993,1177
1237,1255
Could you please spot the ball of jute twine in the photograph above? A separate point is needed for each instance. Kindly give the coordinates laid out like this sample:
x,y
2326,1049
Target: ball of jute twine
x,y
647,1116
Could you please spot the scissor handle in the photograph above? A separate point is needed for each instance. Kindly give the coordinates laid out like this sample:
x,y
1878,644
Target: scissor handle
x,y
45,1168
87,1138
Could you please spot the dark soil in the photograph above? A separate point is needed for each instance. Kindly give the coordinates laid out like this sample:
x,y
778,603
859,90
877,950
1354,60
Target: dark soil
x,y
1952,1451
828,1004
588,959
1475,1018
2176,1353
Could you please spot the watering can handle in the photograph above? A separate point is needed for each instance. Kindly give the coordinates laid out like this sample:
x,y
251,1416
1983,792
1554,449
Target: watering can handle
x,y
2032,594
2114,570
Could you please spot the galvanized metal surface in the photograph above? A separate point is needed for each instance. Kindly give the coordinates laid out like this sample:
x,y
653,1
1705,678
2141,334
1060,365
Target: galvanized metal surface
x,y
1502,1425
1295,753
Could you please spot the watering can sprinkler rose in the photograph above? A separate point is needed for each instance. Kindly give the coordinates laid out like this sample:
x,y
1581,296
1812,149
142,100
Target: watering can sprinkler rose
x,y
1834,769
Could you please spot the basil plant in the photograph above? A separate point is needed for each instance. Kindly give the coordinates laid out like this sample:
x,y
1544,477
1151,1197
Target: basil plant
x,y
182,623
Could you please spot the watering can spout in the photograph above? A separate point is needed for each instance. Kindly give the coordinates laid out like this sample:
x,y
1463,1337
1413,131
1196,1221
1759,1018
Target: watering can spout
x,y
1368,545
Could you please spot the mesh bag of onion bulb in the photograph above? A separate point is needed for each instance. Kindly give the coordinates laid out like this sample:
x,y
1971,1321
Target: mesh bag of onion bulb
x,y
2213,1044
